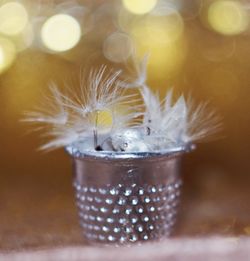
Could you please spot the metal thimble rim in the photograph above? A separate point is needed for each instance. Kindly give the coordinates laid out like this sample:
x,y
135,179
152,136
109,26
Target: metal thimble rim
x,y
112,155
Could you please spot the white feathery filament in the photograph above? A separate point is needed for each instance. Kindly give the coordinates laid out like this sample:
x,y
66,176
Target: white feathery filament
x,y
101,116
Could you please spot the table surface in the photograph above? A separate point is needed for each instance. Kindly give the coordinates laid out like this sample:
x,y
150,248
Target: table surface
x,y
207,249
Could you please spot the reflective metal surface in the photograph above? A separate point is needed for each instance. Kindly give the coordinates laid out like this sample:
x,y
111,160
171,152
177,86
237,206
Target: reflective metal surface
x,y
127,198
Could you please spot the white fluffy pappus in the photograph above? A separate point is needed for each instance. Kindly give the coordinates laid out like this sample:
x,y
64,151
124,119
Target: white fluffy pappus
x,y
170,124
98,109
167,124
101,115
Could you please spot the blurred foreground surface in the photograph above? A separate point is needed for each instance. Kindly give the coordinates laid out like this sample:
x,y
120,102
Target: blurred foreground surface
x,y
213,248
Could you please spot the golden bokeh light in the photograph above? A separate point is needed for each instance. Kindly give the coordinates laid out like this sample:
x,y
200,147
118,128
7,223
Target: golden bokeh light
x,y
228,17
7,54
103,119
162,37
139,6
118,47
25,39
13,18
61,33
165,61
164,29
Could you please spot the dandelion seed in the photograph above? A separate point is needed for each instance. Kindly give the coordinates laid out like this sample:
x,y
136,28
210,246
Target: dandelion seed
x,y
101,116
93,113
178,124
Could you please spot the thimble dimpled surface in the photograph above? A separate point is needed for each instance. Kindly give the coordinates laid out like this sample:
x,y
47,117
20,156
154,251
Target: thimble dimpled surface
x,y
127,213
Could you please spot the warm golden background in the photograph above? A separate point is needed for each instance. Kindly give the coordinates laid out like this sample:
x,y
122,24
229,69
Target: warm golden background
x,y
200,47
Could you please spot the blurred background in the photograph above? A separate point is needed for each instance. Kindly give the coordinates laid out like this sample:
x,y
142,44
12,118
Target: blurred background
x,y
196,46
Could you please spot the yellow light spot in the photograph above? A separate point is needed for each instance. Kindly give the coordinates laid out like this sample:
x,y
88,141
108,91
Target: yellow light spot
x,y
164,29
7,54
13,18
162,37
228,17
139,6
25,39
61,33
118,47
103,119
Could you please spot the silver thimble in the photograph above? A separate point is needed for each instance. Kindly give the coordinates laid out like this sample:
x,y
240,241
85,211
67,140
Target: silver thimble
x,y
127,197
